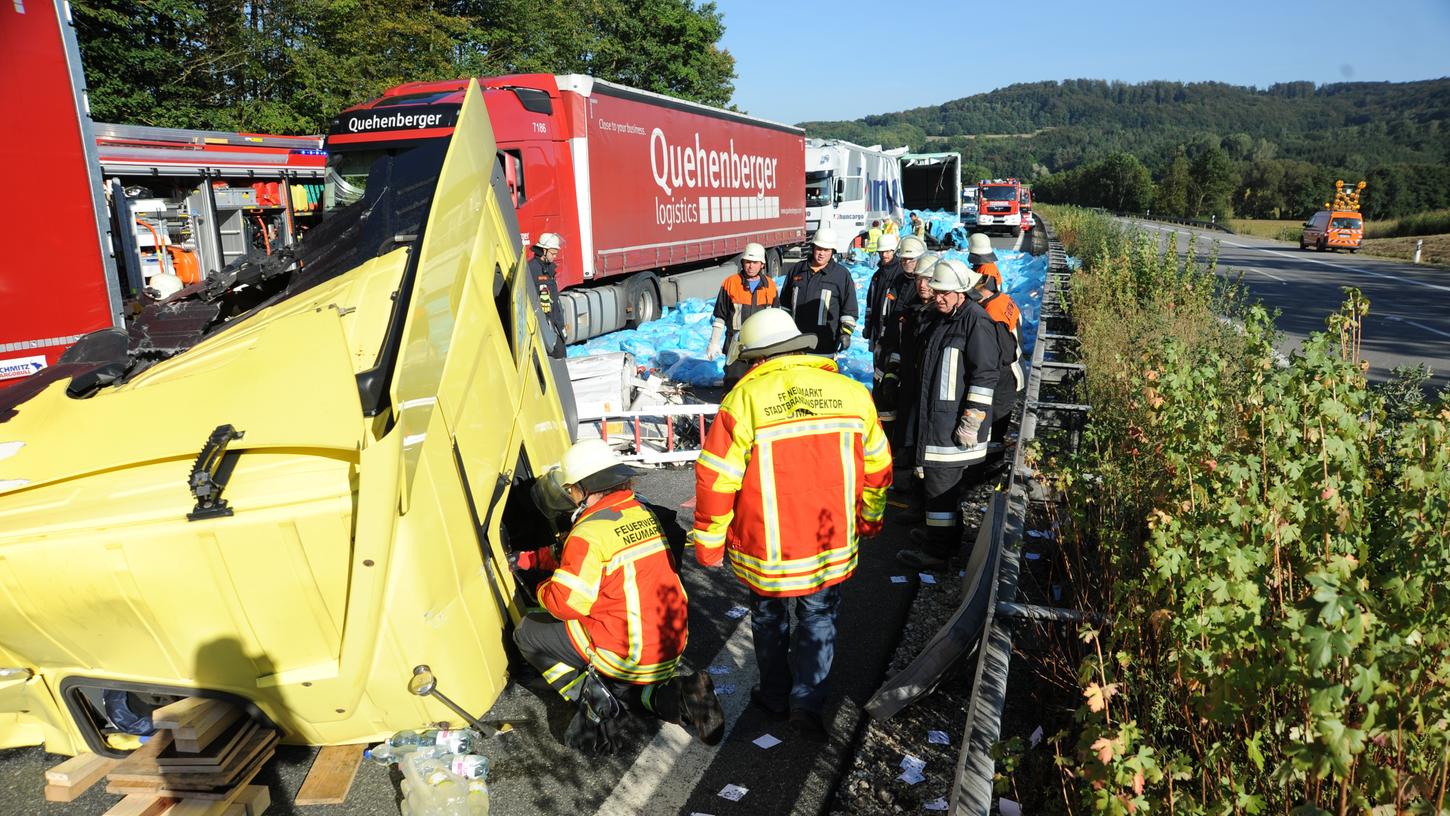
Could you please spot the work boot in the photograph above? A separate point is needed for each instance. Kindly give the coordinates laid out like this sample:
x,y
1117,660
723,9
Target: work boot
x,y
700,707
930,552
757,698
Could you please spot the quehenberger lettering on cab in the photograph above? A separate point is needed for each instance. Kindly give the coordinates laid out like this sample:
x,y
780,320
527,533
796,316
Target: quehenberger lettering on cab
x,y
395,121
702,185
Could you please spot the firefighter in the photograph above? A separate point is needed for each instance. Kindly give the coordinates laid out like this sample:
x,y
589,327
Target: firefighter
x,y
541,272
821,296
741,296
917,317
880,295
960,364
983,258
794,468
1008,318
616,609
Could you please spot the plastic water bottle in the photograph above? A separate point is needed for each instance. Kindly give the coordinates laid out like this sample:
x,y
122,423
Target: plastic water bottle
x,y
432,790
477,801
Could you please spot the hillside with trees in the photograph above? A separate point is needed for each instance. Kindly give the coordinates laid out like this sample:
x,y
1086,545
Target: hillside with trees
x,y
1194,149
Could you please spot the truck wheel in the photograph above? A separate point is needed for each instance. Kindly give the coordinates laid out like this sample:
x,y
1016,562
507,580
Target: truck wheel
x,y
1017,232
643,303
772,262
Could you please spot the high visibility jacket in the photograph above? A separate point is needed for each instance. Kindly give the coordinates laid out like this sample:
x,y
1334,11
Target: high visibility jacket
x,y
1003,310
881,298
960,367
793,460
823,303
873,238
889,228
990,270
618,591
735,302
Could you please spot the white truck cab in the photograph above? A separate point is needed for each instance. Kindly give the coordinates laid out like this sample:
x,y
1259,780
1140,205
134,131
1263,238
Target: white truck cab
x,y
849,186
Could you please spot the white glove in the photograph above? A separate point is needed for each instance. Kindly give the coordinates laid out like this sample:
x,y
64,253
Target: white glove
x,y
717,338
968,427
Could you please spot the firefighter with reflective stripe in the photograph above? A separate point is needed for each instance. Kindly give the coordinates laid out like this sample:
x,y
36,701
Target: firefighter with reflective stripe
x,y
917,319
1008,318
794,468
983,258
960,367
542,273
741,296
880,296
893,288
615,605
821,296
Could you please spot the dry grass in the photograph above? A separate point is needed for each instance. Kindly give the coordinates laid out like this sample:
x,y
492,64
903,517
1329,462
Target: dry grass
x,y
1267,228
1436,251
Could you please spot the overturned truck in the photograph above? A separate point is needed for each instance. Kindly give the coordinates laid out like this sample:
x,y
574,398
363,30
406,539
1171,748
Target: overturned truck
x,y
291,483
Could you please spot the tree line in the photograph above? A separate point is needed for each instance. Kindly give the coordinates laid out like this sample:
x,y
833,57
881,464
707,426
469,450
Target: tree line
x,y
288,66
1206,148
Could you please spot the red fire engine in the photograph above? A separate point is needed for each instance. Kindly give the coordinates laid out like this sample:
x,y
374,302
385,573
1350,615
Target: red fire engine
x,y
999,206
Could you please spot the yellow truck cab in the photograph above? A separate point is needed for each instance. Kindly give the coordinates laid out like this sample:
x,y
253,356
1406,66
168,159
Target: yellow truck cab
x,y
291,484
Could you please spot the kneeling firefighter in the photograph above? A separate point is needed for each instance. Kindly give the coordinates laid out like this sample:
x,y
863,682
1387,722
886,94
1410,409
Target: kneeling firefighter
x,y
617,612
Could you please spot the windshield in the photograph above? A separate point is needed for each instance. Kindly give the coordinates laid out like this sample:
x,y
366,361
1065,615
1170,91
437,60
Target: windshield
x,y
1347,223
818,188
999,193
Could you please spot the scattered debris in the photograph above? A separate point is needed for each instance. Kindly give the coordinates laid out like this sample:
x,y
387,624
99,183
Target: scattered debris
x,y
733,792
766,741
937,738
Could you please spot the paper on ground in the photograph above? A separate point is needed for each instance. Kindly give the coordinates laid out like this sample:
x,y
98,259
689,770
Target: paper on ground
x,y
926,577
939,803
898,579
733,792
937,738
766,741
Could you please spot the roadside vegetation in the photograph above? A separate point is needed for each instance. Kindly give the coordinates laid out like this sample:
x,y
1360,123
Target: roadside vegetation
x,y
1271,544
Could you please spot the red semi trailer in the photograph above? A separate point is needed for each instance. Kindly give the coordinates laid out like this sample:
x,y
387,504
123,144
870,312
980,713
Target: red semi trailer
x,y
643,188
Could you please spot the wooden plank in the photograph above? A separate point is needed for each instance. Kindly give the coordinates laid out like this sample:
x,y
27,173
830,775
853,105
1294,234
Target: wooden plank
x,y
216,755
143,759
174,714
80,771
61,793
138,804
220,712
196,740
193,788
202,803
331,775
200,777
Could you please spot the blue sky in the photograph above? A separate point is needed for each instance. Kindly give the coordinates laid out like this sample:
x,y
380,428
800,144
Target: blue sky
x,y
848,58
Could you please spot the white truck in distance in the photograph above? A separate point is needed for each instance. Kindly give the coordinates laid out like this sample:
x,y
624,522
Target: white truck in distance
x,y
849,186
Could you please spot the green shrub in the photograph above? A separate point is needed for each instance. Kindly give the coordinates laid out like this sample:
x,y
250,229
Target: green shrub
x,y
1272,544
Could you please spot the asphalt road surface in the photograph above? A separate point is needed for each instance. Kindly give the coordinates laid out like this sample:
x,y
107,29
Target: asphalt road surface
x,y
1409,314
663,770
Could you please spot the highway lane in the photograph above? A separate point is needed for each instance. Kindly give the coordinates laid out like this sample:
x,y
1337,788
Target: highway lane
x,y
1409,317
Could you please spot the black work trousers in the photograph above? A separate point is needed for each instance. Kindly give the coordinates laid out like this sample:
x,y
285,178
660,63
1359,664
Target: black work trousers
x,y
544,642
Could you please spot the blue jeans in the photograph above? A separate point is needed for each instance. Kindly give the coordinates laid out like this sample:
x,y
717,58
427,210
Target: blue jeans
x,y
794,665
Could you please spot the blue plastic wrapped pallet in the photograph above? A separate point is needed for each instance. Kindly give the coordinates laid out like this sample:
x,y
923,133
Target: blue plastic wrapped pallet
x,y
675,343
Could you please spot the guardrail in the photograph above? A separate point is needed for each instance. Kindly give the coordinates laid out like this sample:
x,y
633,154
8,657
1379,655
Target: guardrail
x,y
972,786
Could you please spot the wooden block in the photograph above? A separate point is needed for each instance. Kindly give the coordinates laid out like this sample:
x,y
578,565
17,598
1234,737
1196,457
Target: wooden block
x,y
80,772
143,759
206,733
174,714
60,793
216,755
141,805
330,776
214,804
214,795
256,798
212,720
197,776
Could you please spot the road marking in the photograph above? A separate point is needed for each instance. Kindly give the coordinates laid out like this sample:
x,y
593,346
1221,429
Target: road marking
x,y
668,769
1017,247
1414,323
1385,275
1261,272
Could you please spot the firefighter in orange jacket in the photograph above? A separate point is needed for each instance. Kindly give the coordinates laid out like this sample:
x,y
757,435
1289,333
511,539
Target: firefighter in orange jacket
x,y
615,602
983,258
794,468
1008,318
741,296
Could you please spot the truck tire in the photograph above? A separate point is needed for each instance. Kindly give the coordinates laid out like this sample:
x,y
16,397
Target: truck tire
x,y
642,299
1017,232
772,262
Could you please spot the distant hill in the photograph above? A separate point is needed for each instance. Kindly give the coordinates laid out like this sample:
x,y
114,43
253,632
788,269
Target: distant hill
x,y
1342,130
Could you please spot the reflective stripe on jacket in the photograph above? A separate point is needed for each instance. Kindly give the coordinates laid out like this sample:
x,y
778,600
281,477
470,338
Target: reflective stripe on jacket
x,y
960,366
795,457
619,593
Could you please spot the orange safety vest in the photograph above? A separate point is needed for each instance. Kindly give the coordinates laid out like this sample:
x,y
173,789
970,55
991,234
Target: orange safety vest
x,y
1001,308
618,592
989,270
795,457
